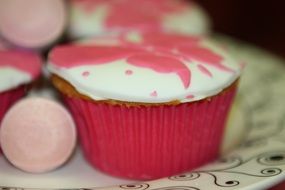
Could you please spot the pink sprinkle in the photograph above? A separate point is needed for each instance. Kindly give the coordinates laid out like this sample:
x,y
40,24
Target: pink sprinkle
x,y
86,73
205,71
153,94
128,72
190,96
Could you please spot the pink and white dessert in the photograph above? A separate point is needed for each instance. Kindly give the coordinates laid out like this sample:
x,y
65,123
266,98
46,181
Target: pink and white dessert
x,y
3,45
149,105
40,142
235,131
17,69
96,17
32,23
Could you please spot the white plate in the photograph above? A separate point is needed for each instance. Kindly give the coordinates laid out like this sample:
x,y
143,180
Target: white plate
x,y
258,164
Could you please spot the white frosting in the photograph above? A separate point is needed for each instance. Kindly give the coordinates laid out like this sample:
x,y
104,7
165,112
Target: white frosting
x,y
18,68
112,83
83,23
11,78
120,80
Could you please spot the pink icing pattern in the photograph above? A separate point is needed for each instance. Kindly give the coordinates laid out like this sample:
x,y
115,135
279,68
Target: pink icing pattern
x,y
190,96
204,70
204,55
154,94
146,15
162,64
85,73
24,61
177,49
128,72
71,56
88,5
162,53
187,48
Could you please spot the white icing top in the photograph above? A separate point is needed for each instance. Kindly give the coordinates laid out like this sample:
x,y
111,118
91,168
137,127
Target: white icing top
x,y
18,68
94,17
150,68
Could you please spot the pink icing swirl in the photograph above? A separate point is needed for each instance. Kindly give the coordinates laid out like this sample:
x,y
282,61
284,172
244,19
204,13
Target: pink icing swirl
x,y
25,61
72,56
162,53
146,15
162,64
204,70
178,49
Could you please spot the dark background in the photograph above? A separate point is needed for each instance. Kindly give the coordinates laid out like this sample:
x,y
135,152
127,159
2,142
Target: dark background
x,y
259,22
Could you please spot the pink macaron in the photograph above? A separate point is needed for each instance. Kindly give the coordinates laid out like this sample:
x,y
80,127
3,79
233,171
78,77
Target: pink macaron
x,y
37,135
32,23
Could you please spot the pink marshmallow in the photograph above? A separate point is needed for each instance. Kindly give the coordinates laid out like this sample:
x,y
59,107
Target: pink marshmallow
x,y
32,23
37,135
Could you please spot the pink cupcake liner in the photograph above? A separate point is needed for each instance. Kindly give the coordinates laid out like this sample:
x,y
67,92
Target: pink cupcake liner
x,y
149,142
7,99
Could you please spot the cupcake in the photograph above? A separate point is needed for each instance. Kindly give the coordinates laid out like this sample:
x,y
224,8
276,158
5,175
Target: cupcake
x,y
235,131
3,45
17,69
96,17
150,106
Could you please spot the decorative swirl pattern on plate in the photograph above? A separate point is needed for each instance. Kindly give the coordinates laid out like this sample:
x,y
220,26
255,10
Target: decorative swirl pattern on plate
x,y
11,188
177,188
230,183
277,158
269,172
185,176
196,175
232,166
135,186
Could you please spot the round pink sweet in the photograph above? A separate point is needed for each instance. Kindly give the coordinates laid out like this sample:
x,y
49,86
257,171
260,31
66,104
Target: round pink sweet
x,y
32,23
37,135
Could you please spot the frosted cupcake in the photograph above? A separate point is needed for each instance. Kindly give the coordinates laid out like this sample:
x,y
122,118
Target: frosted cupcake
x,y
95,17
153,106
17,69
235,131
3,45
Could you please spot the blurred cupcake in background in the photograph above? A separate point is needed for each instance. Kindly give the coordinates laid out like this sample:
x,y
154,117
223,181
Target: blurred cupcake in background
x,y
96,17
151,104
32,24
17,69
3,45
